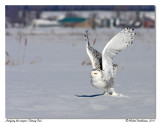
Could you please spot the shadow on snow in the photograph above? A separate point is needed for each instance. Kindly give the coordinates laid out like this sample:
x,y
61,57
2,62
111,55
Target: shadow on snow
x,y
95,95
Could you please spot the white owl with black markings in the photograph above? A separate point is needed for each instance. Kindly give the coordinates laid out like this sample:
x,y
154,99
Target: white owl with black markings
x,y
104,70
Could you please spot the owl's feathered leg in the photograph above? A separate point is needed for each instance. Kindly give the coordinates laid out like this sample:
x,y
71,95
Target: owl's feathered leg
x,y
113,92
105,92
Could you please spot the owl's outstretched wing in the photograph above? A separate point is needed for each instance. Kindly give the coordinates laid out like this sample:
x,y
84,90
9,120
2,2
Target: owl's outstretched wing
x,y
94,55
119,42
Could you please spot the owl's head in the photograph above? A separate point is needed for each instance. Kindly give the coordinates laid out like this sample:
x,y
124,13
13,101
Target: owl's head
x,y
96,74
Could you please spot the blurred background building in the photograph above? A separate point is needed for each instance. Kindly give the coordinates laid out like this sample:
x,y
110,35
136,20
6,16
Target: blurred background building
x,y
81,16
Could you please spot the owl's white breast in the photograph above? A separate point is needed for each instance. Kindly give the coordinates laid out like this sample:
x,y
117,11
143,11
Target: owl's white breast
x,y
98,83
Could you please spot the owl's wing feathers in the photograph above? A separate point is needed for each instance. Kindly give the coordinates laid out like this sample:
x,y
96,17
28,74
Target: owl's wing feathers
x,y
95,57
119,42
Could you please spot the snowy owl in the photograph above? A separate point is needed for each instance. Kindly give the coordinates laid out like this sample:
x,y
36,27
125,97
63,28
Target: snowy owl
x,y
104,70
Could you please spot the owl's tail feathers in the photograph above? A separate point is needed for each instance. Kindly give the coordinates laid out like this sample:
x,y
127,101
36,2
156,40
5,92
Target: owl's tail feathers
x,y
115,67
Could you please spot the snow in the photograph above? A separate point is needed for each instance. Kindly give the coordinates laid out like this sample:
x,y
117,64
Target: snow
x,y
53,83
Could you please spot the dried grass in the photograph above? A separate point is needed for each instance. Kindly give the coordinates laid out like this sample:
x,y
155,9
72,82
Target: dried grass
x,y
24,52
10,60
94,42
86,62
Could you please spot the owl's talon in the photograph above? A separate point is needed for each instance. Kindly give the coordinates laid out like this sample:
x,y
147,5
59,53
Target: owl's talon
x,y
106,93
115,94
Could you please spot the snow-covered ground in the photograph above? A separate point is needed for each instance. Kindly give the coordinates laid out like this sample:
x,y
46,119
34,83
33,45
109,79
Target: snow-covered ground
x,y
53,83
